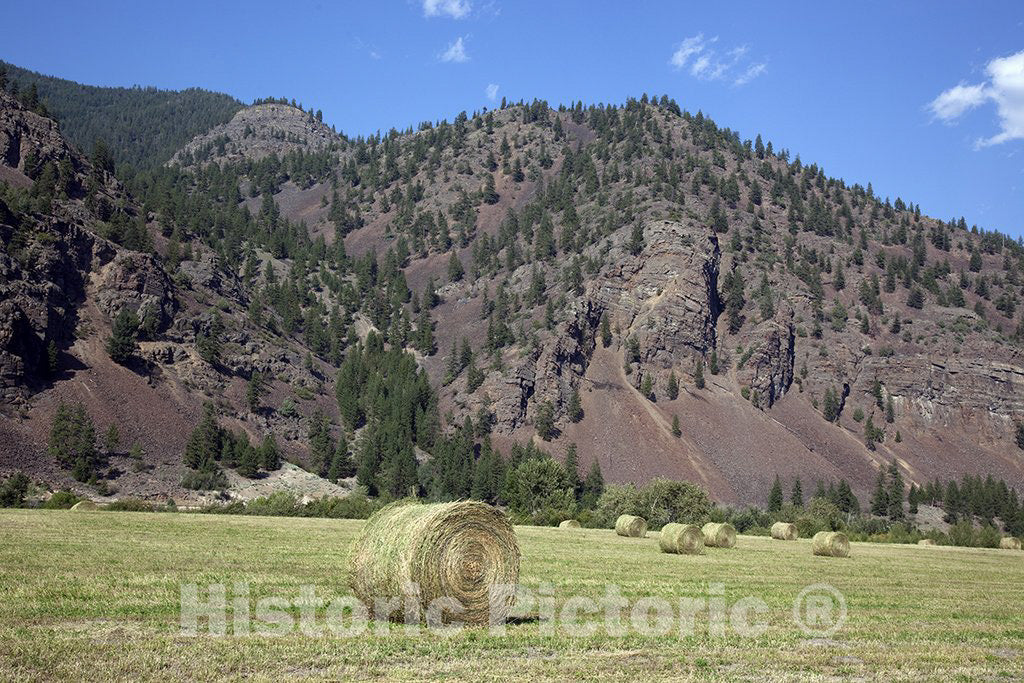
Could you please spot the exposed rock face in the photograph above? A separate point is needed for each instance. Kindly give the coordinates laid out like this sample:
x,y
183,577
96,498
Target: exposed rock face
x,y
562,363
136,281
667,295
768,371
256,132
23,132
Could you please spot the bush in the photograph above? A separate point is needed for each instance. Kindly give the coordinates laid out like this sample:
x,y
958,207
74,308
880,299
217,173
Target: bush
x,y
659,502
205,480
61,500
12,491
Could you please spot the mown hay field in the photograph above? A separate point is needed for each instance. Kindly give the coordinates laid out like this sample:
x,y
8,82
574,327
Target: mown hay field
x,y
96,596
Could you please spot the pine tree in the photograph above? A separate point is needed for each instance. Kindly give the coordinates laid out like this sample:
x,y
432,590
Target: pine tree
x,y
270,454
254,391
647,387
455,269
895,495
698,374
593,486
73,441
123,338
112,439
797,495
676,429
606,333
544,422
672,390
575,407
912,498
880,497
636,239
572,468
775,496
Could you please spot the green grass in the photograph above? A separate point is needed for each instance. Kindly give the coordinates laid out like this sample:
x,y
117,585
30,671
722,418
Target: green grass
x,y
95,596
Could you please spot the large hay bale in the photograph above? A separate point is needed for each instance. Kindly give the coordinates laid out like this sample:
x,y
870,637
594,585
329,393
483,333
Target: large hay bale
x,y
85,505
784,531
831,544
447,550
719,535
569,524
926,541
1009,543
682,539
631,525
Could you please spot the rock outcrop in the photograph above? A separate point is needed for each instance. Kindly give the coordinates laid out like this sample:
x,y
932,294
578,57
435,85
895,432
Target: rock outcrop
x,y
257,132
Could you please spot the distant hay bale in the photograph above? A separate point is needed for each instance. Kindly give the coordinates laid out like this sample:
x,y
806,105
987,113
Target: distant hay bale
x,y
85,505
784,531
447,550
631,526
831,544
719,535
569,524
1009,543
926,541
682,539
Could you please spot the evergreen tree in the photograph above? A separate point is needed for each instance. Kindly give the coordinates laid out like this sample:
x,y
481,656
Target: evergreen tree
x,y
797,495
544,422
122,342
895,495
647,387
270,454
676,429
880,497
672,390
254,391
572,468
606,334
698,374
73,441
112,439
593,486
775,496
575,407
455,269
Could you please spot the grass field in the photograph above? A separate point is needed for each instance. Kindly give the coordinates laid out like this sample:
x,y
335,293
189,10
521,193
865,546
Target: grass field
x,y
96,596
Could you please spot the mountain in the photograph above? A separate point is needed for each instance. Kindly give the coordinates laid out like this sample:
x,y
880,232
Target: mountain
x,y
543,275
140,125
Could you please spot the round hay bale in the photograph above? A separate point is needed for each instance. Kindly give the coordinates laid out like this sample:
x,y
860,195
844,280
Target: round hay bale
x,y
447,550
569,524
1009,543
84,505
831,544
784,531
926,541
719,535
631,526
682,539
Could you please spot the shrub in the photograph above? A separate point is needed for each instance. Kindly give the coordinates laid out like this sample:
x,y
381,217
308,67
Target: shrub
x,y
61,500
12,491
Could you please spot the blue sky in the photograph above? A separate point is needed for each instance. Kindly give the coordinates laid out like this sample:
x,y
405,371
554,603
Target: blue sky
x,y
923,99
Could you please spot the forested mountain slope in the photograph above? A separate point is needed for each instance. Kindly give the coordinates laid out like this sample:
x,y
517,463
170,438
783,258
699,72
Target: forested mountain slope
x,y
142,126
633,280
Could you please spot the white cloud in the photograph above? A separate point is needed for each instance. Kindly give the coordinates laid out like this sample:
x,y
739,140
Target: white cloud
x,y
952,103
693,45
491,91
1004,87
456,52
752,72
707,64
456,9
